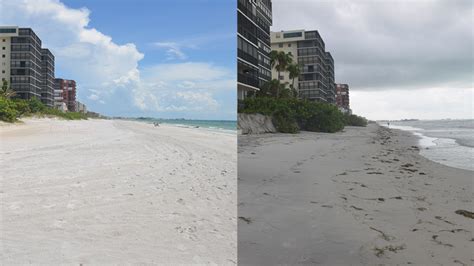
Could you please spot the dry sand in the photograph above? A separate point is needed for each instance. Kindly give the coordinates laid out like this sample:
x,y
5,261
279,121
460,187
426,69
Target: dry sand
x,y
116,192
360,197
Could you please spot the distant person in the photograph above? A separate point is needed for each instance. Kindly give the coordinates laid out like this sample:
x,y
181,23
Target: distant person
x,y
388,124
156,124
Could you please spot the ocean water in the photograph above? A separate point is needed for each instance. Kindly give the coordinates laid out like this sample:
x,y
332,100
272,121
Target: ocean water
x,y
449,142
213,125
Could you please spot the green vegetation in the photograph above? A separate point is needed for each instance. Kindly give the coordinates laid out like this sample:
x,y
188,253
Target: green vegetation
x,y
355,120
290,115
12,109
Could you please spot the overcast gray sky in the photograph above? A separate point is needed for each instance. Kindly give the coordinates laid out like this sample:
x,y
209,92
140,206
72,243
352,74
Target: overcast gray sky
x,y
401,59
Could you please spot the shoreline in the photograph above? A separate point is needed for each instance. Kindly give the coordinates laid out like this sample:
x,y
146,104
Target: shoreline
x,y
431,146
362,196
108,192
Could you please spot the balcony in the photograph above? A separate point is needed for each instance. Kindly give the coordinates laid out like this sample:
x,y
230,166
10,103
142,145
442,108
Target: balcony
x,y
247,57
248,80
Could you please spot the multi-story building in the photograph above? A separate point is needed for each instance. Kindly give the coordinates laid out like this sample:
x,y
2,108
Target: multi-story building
x,y
66,88
254,18
47,77
80,107
59,102
342,97
22,64
316,79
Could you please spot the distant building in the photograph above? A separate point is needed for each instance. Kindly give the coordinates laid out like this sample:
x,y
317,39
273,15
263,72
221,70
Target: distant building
x,y
254,18
28,68
316,80
67,89
80,107
342,97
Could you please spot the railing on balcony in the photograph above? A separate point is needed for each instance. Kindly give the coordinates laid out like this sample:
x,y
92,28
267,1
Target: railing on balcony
x,y
247,79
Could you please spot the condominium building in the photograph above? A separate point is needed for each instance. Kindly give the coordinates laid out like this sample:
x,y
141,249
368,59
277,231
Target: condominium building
x,y
22,64
316,79
342,97
254,18
47,77
80,107
66,88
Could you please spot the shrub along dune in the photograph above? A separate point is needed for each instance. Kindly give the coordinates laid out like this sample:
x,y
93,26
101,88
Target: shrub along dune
x,y
290,115
13,109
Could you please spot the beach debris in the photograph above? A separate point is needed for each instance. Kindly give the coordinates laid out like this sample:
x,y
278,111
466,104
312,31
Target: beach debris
x,y
459,262
421,209
374,173
356,208
421,173
326,206
455,230
245,219
442,219
435,239
465,213
384,236
381,251
397,197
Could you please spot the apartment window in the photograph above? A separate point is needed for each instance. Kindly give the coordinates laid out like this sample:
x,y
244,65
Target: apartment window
x,y
3,71
3,48
281,77
280,45
3,56
289,45
4,40
292,34
8,30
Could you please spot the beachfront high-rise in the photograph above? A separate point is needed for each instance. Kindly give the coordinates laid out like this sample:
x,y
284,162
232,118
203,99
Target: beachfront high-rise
x,y
316,80
27,67
47,77
254,19
67,89
342,97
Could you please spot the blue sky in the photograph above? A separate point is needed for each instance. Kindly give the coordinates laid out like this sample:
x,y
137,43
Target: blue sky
x,y
170,59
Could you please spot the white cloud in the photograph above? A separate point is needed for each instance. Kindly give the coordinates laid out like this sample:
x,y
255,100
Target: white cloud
x,y
186,86
93,97
173,50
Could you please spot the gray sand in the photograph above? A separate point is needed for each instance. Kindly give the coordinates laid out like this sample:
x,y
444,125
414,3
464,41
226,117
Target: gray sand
x,y
363,196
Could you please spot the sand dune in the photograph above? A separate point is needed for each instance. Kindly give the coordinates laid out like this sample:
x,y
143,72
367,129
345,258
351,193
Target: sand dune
x,y
360,197
103,192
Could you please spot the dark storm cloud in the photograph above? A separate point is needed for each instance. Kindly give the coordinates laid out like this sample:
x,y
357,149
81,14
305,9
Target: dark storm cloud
x,y
389,44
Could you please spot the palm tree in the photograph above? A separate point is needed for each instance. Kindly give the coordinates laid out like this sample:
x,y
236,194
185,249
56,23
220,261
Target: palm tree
x,y
280,61
6,91
294,71
271,88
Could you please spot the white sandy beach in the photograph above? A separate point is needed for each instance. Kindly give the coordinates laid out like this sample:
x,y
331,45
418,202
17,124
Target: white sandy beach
x,y
116,192
360,197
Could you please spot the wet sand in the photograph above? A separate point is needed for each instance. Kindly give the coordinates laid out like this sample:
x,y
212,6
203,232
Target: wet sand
x,y
360,197
116,192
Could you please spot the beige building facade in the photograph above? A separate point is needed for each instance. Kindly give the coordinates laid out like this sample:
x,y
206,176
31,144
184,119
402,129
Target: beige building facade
x,y
6,33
